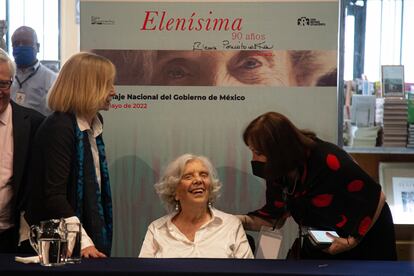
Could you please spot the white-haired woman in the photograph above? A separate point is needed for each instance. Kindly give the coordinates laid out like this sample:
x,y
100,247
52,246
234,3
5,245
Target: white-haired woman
x,y
193,228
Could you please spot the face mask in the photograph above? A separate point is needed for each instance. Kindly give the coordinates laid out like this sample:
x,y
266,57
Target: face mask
x,y
24,55
258,168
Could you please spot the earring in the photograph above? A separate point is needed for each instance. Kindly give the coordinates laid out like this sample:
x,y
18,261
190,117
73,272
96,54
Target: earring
x,y
209,204
177,206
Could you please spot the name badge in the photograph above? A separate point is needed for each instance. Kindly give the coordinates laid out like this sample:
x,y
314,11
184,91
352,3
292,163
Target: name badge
x,y
269,243
20,96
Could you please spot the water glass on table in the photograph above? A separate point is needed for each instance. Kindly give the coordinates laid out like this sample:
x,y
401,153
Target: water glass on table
x,y
74,238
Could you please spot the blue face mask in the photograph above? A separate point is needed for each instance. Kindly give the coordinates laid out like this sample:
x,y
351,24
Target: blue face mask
x,y
24,55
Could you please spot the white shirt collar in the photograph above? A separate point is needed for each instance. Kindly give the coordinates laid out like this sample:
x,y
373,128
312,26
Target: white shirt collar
x,y
95,128
167,220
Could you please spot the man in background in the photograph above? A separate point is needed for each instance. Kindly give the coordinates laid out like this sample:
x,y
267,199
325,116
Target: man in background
x,y
33,80
17,129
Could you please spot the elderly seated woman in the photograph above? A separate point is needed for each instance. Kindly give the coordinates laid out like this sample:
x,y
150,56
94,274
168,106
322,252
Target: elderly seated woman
x,y
193,228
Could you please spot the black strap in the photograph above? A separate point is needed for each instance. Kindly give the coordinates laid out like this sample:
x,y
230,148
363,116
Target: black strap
x,y
274,225
26,79
295,250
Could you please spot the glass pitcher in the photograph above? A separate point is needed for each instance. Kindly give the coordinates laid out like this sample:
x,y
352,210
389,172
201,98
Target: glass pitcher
x,y
49,240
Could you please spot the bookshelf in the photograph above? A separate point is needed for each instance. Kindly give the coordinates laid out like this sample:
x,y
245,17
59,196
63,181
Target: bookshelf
x,y
379,150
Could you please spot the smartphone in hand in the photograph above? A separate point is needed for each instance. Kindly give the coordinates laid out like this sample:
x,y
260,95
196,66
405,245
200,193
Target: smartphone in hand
x,y
320,239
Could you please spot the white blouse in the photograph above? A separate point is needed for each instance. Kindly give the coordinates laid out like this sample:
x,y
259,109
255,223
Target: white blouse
x,y
221,237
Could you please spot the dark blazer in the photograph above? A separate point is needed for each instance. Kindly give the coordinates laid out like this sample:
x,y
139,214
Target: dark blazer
x,y
25,123
54,169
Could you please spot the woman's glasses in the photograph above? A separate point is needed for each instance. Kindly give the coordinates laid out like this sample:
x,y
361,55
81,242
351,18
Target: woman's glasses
x,y
5,84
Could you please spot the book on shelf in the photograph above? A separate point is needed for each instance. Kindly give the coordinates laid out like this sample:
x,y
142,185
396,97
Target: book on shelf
x,y
400,102
395,100
388,137
394,136
394,144
403,198
366,136
395,124
401,105
410,108
397,104
388,121
401,129
395,139
367,132
363,110
363,143
395,131
395,116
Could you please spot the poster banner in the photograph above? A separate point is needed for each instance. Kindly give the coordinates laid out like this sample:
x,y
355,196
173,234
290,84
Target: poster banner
x,y
191,76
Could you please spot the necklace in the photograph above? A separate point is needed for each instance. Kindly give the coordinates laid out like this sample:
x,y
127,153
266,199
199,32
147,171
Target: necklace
x,y
26,79
286,189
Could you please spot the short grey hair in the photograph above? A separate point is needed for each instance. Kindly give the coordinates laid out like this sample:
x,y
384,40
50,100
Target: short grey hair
x,y
167,185
4,57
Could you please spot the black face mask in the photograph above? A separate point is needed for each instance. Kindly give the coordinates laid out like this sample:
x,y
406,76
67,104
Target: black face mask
x,y
258,168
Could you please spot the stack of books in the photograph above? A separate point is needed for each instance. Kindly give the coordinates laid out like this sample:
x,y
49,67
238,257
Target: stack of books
x,y
379,111
366,136
410,143
410,102
395,122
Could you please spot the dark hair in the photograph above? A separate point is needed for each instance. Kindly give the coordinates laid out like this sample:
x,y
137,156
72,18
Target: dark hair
x,y
284,145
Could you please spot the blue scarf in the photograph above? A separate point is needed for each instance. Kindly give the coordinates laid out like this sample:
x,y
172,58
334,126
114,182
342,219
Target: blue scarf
x,y
93,205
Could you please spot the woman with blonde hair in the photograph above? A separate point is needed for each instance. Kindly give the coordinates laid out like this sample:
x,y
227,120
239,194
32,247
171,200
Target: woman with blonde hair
x,y
69,168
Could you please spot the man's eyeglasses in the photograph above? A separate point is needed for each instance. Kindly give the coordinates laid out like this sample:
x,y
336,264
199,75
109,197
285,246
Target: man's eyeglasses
x,y
5,84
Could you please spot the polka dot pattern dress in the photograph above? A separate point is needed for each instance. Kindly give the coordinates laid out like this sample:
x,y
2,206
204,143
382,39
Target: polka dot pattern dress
x,y
333,193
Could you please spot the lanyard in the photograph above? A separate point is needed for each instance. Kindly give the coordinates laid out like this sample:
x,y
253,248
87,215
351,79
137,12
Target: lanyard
x,y
26,79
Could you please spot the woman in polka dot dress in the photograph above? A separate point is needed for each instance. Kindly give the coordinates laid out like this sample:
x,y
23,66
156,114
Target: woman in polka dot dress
x,y
320,186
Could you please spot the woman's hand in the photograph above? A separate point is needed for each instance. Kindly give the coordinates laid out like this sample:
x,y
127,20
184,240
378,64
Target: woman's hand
x,y
92,252
340,245
254,223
